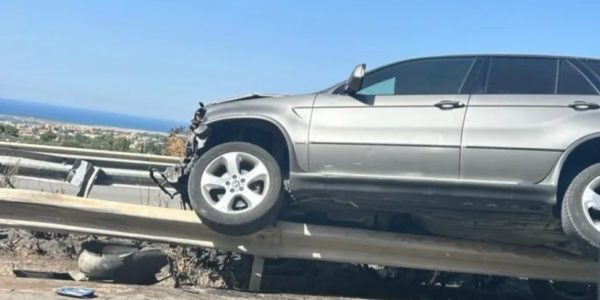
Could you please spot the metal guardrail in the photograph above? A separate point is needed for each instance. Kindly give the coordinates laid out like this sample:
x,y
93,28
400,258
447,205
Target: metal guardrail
x,y
90,153
82,167
54,212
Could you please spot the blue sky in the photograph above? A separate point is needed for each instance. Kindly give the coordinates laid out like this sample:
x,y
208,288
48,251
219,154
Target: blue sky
x,y
159,58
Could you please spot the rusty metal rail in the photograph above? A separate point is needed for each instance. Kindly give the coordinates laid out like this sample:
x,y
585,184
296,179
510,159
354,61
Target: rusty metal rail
x,y
53,212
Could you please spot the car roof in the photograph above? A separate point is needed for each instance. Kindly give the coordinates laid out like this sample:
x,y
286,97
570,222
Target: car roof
x,y
505,55
482,55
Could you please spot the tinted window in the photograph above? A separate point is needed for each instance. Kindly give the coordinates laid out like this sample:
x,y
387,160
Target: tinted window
x,y
512,75
571,81
418,77
594,65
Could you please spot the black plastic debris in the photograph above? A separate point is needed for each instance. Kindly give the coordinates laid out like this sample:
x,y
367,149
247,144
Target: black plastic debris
x,y
42,275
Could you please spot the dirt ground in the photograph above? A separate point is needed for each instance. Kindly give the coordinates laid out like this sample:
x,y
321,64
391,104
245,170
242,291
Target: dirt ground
x,y
34,289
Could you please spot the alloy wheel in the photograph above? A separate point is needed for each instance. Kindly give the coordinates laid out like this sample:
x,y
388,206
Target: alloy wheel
x,y
235,182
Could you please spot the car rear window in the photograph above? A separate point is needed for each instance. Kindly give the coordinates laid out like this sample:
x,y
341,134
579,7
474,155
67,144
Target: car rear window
x,y
516,75
572,82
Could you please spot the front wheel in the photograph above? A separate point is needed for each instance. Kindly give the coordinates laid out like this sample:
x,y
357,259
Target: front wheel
x,y
235,188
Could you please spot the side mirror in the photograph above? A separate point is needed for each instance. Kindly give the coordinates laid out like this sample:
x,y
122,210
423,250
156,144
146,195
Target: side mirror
x,y
354,82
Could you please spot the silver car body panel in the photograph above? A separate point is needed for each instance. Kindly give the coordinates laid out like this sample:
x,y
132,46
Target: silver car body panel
x,y
520,138
403,136
497,152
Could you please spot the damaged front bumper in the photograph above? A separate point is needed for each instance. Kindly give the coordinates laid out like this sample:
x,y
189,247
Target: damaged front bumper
x,y
176,176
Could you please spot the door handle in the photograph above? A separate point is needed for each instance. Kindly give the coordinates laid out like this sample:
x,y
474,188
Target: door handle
x,y
582,105
449,104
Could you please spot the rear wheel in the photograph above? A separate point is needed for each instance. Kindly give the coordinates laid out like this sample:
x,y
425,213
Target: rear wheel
x,y
235,188
581,209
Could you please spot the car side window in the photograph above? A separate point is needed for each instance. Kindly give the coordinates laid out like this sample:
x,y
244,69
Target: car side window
x,y
385,87
572,82
515,75
594,65
418,77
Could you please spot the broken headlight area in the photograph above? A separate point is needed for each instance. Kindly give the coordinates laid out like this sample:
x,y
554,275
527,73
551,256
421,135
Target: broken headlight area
x,y
173,180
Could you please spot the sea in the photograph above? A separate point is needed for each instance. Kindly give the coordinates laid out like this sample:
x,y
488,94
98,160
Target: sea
x,y
84,116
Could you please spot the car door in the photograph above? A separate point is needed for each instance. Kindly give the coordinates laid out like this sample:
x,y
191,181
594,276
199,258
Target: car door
x,y
523,118
406,121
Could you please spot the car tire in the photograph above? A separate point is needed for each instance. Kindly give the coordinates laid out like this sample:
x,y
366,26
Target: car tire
x,y
578,218
550,290
235,188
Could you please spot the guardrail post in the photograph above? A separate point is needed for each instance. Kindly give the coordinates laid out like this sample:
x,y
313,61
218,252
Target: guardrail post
x,y
84,175
90,182
256,276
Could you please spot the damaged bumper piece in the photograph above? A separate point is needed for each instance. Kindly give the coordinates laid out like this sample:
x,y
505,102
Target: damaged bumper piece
x,y
176,176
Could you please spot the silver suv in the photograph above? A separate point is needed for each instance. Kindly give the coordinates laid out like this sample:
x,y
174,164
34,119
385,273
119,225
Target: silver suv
x,y
501,148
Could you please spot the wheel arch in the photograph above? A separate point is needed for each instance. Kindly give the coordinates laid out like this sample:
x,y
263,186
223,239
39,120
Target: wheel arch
x,y
578,156
259,121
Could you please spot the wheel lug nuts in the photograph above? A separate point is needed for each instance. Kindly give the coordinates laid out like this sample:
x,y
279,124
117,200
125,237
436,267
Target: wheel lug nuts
x,y
243,180
234,177
241,189
227,183
232,190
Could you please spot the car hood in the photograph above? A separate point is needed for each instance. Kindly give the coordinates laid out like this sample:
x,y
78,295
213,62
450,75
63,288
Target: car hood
x,y
248,97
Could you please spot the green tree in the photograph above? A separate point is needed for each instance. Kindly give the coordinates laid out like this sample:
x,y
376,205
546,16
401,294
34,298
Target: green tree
x,y
102,142
110,143
120,144
152,147
82,139
48,136
9,130
77,141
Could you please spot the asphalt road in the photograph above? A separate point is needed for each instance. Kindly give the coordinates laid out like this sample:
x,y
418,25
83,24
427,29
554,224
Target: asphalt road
x,y
125,194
